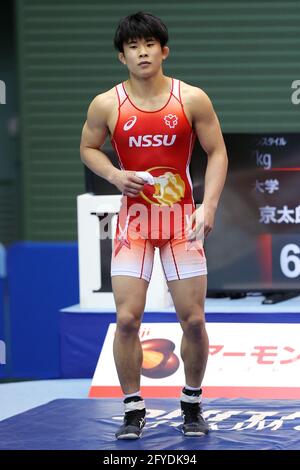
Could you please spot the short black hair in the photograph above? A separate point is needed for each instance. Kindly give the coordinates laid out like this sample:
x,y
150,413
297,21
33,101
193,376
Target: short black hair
x,y
138,26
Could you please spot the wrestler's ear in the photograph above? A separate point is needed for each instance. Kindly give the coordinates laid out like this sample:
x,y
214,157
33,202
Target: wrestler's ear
x,y
121,57
165,52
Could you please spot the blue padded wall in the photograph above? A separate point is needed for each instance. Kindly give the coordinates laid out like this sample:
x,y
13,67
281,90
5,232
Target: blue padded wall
x,y
3,340
42,279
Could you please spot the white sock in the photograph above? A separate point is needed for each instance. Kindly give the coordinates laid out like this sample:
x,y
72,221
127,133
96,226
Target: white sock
x,y
135,394
192,388
134,405
190,398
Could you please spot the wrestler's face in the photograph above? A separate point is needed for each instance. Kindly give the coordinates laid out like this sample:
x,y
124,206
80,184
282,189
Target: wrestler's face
x,y
143,57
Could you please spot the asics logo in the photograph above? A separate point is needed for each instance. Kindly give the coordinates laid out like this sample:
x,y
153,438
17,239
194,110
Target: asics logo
x,y
130,123
152,140
142,423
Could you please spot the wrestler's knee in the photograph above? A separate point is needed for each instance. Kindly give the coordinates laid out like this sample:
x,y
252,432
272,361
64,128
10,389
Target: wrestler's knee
x,y
128,323
193,324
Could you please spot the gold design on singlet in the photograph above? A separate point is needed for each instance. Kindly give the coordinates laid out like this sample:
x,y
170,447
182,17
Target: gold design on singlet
x,y
169,188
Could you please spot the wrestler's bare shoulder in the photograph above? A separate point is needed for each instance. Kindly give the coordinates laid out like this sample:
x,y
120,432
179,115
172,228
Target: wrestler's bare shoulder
x,y
104,102
192,92
194,97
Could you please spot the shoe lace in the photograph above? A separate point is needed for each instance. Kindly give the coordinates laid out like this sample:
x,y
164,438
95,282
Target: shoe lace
x,y
134,418
191,412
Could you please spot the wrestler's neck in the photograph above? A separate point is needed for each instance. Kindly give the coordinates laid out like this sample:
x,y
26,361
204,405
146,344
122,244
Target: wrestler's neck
x,y
150,87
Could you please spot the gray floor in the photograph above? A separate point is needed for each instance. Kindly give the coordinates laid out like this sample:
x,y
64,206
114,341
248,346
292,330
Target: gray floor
x,y
250,304
18,397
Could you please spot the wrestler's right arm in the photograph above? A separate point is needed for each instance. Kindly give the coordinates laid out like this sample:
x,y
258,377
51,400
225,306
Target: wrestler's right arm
x,y
94,133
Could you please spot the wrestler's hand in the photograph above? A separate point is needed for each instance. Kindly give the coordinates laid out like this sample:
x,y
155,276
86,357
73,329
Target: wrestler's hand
x,y
209,219
126,181
200,223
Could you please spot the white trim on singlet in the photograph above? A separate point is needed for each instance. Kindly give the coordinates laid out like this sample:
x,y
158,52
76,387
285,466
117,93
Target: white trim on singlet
x,y
119,158
121,93
187,169
176,91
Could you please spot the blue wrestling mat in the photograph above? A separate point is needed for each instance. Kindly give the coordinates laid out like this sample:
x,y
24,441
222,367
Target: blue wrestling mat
x,y
81,424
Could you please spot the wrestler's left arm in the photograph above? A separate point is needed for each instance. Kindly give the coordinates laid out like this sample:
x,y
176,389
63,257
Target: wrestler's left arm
x,y
207,128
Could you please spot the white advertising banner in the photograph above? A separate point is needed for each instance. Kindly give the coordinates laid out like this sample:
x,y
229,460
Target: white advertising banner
x,y
245,359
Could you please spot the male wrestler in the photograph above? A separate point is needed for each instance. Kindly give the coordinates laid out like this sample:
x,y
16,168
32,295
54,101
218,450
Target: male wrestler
x,y
153,120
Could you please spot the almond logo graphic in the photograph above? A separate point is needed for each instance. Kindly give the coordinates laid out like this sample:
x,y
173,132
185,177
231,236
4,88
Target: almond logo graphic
x,y
130,123
168,187
171,120
159,360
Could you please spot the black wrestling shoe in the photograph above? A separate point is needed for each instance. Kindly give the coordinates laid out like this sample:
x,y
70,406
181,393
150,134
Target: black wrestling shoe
x,y
134,421
193,422
134,418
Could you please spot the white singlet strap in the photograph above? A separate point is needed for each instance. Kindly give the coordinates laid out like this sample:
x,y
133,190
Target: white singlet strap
x,y
176,91
121,93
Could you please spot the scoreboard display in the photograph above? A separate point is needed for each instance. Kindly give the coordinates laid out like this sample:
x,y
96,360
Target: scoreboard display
x,y
255,244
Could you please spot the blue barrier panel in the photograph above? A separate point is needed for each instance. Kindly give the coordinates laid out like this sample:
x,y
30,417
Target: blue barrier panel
x,y
82,335
42,279
81,339
3,354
